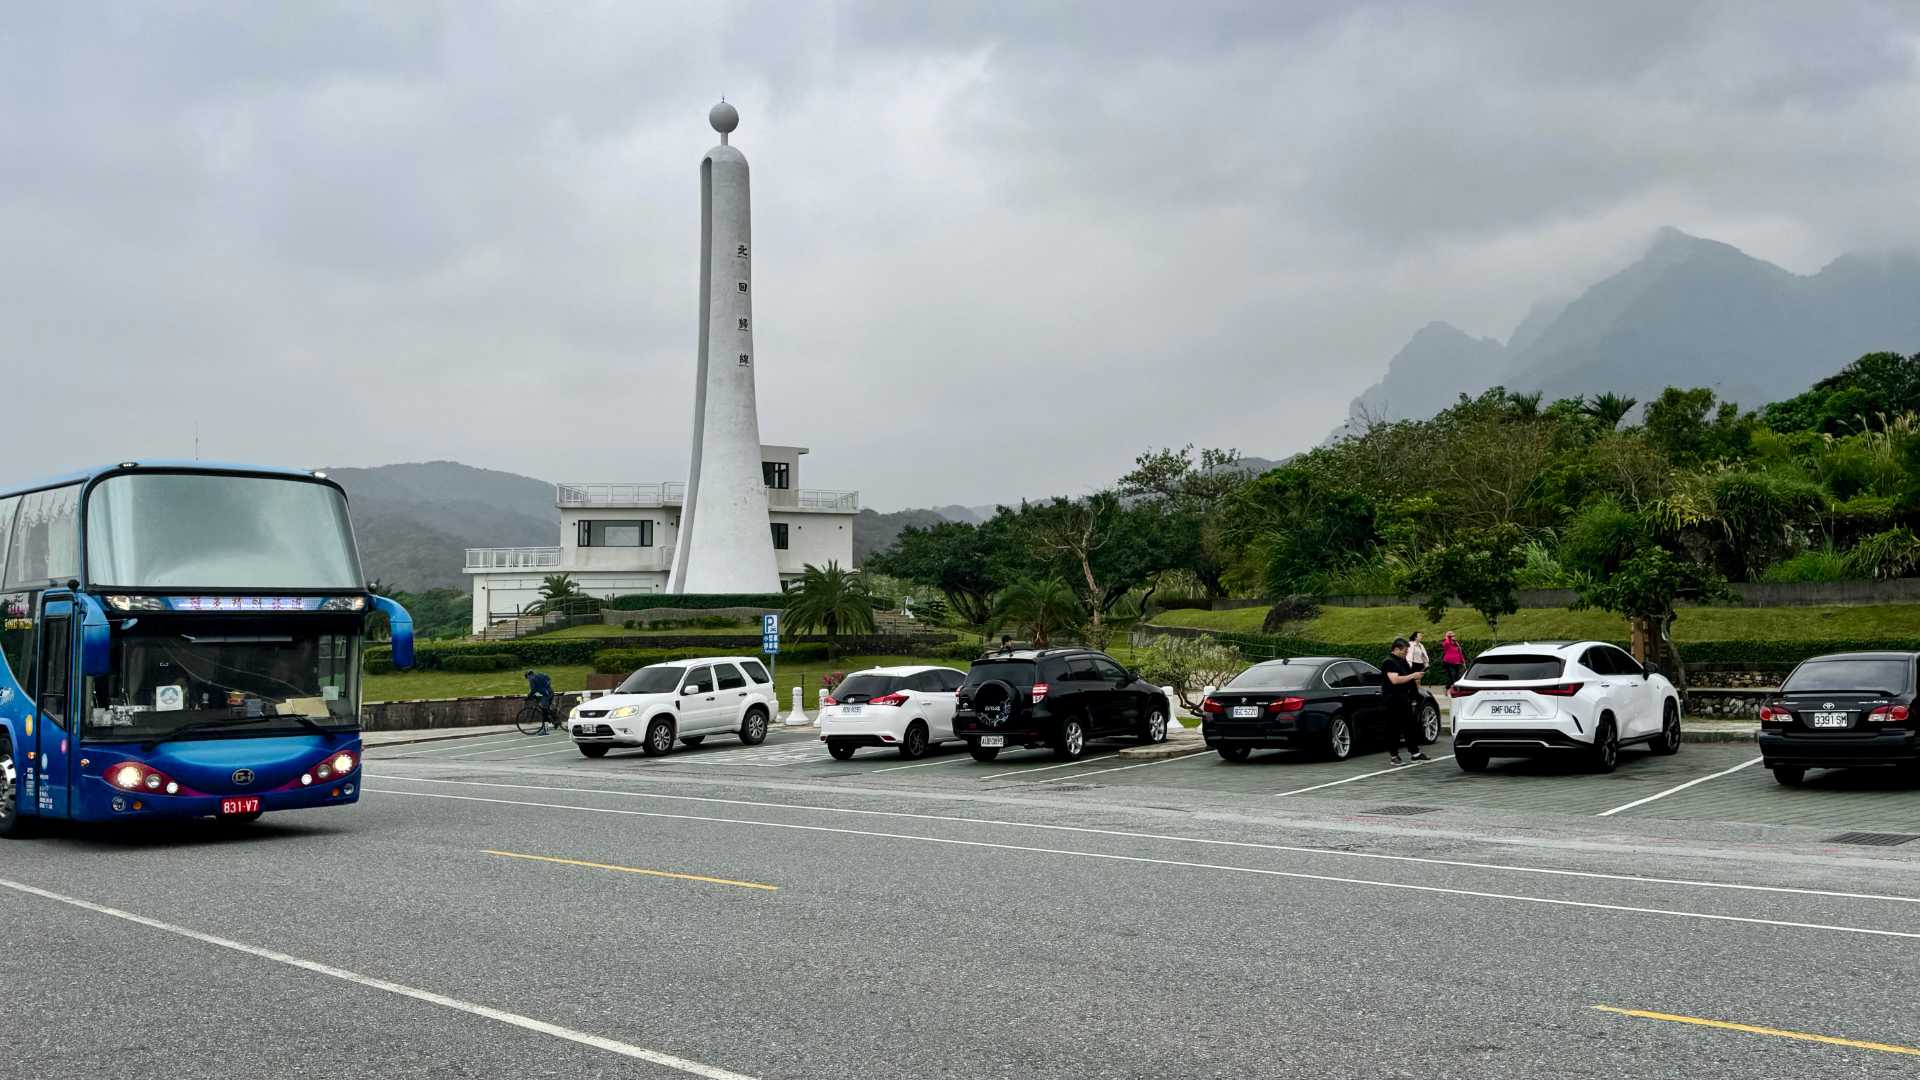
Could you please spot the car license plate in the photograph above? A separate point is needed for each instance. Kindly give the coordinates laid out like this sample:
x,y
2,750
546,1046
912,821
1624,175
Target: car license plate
x,y
1503,708
240,806
993,740
1246,712
849,710
1830,719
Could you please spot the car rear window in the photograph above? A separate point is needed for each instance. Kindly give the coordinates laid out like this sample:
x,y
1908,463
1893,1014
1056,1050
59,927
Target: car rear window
x,y
1866,676
755,671
1517,667
1016,672
1274,677
866,686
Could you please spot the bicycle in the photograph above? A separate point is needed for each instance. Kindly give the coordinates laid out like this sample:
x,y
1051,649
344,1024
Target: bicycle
x,y
535,718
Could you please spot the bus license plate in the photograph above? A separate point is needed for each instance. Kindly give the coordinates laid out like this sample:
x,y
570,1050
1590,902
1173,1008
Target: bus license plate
x,y
993,740
240,806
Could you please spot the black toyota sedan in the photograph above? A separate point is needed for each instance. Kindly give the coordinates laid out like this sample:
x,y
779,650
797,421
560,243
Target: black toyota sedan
x,y
1843,710
1331,704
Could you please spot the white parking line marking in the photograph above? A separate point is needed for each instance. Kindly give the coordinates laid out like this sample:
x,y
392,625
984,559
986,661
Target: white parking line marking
x,y
1120,768
1291,849
949,759
1182,864
1679,787
612,1046
1363,776
1050,768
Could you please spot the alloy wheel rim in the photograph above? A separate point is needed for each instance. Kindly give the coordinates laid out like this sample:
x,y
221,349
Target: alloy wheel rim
x,y
663,737
1074,738
1430,723
1342,738
8,777
1158,726
756,725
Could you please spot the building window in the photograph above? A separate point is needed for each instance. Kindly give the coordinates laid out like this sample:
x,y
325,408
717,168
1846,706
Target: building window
x,y
616,534
778,474
779,535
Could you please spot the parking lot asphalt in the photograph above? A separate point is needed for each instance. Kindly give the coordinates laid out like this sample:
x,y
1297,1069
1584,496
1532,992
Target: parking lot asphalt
x,y
501,906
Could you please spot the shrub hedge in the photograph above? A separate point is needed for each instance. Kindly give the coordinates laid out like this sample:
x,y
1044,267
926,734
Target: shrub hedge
x,y
644,601
539,651
477,662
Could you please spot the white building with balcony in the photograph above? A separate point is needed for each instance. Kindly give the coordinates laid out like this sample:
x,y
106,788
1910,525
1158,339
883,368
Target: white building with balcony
x,y
617,539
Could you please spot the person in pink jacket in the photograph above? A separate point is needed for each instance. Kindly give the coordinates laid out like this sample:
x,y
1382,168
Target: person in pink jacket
x,y
1452,657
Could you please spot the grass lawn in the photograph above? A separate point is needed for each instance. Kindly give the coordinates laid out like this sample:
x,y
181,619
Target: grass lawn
x,y
413,685
1373,626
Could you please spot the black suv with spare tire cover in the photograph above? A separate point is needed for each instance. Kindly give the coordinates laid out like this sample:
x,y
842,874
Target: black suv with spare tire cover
x,y
1055,697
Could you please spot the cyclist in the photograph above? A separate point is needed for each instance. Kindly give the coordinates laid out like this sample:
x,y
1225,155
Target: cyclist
x,y
540,691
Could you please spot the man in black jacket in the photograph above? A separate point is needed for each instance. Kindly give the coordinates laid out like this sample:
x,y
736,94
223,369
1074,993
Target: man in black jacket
x,y
1402,690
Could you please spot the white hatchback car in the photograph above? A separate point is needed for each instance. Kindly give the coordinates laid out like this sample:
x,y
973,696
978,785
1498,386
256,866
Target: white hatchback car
x,y
686,700
906,707
1554,697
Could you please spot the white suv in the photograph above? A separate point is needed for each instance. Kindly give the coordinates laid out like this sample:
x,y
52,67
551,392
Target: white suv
x,y
908,707
686,700
1556,697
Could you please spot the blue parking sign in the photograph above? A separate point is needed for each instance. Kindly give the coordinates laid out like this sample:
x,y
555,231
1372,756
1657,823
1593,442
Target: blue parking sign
x,y
770,633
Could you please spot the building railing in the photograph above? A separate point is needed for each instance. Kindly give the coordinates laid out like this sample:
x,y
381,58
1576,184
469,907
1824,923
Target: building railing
x,y
674,493
513,558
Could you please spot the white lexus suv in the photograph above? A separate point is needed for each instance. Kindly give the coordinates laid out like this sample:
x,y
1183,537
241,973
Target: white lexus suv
x,y
906,707
1537,698
686,700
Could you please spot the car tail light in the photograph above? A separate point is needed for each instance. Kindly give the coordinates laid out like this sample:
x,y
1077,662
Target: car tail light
x,y
1895,713
1565,689
1039,692
1208,705
1456,690
1770,714
895,699
1287,704
133,776
829,700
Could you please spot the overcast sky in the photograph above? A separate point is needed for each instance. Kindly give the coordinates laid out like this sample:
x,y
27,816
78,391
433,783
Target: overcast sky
x,y
999,249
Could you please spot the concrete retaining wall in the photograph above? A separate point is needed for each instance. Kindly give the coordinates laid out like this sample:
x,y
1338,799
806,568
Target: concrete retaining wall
x,y
673,614
451,712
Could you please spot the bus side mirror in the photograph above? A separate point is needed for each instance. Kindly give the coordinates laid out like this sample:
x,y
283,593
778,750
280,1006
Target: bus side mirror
x,y
96,637
401,625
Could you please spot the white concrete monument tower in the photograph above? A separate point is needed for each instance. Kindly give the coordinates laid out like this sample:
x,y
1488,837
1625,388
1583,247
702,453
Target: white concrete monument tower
x,y
724,543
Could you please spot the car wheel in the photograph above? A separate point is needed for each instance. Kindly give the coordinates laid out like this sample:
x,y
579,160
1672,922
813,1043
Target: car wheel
x,y
659,738
753,730
1072,744
841,751
11,824
914,745
1339,746
1429,724
983,753
1156,729
1605,755
593,751
1234,753
1669,740
1789,775
693,740
1470,760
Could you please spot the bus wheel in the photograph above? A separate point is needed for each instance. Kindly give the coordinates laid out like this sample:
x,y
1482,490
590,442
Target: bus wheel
x,y
10,821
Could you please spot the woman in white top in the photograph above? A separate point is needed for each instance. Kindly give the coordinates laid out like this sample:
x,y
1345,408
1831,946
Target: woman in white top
x,y
1416,652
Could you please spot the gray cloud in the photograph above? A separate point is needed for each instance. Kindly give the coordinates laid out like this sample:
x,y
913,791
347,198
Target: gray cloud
x,y
1001,249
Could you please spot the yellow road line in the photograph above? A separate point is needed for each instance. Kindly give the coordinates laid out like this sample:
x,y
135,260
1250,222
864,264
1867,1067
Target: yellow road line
x,y
632,870
1830,1040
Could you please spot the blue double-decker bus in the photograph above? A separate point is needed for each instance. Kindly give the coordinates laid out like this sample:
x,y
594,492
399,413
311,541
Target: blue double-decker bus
x,y
181,640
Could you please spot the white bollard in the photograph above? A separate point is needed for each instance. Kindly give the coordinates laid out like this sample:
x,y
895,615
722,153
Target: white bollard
x,y
819,705
1173,710
795,716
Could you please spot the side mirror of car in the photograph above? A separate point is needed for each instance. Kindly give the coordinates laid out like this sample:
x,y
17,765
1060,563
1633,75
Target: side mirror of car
x,y
689,691
1653,669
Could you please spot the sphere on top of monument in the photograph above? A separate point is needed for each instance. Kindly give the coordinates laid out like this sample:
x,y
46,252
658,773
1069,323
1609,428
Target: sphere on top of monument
x,y
723,117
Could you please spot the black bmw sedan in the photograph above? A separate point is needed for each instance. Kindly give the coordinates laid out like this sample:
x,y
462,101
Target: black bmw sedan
x,y
1331,704
1847,709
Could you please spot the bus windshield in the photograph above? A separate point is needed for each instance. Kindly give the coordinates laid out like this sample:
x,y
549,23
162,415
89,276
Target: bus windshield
x,y
212,531
226,676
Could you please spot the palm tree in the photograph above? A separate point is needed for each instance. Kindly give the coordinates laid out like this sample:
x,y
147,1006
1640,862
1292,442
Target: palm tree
x,y
831,599
1524,406
1609,408
1039,609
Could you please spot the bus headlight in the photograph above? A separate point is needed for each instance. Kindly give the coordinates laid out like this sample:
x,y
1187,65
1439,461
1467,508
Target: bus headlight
x,y
133,776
